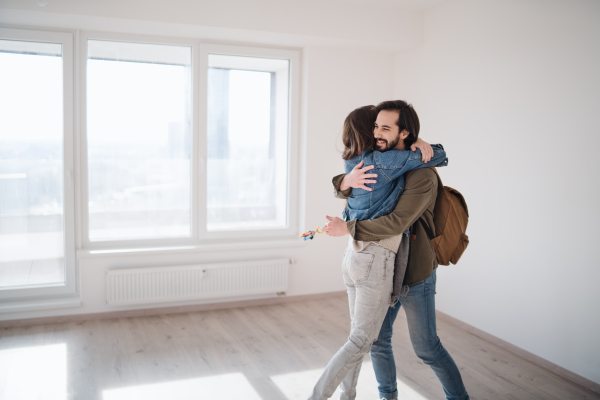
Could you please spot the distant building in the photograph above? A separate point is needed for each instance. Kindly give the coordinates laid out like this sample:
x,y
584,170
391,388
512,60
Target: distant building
x,y
14,196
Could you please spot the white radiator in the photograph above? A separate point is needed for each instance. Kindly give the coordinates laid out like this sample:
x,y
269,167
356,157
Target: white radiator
x,y
189,282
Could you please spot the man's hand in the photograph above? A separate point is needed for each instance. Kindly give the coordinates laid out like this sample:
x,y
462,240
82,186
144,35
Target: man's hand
x,y
426,150
336,227
358,177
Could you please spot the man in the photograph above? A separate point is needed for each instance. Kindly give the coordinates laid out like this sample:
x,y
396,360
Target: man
x,y
414,272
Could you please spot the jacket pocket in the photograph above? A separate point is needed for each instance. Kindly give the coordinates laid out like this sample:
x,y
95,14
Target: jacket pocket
x,y
359,266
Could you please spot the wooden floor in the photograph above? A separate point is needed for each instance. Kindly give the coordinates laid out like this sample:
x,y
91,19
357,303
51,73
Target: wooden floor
x,y
269,352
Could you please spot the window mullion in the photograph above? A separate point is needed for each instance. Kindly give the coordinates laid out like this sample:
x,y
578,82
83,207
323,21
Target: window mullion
x,y
196,161
201,109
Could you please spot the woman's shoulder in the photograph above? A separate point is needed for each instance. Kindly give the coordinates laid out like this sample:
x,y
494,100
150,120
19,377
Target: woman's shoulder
x,y
391,152
366,156
393,158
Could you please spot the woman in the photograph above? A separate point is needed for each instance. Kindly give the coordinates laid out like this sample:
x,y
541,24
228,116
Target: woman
x,y
368,269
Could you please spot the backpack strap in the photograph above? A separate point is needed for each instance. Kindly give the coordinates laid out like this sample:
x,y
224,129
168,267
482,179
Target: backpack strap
x,y
440,184
428,230
426,227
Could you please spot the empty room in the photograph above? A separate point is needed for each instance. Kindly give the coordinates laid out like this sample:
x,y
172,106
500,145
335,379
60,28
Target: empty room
x,y
291,200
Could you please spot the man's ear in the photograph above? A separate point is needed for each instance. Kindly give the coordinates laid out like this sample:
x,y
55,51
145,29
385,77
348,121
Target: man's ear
x,y
404,134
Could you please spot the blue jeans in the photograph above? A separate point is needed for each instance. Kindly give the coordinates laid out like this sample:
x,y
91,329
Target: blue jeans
x,y
419,305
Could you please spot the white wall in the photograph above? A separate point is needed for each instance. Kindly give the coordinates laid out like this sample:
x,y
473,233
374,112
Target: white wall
x,y
336,79
512,90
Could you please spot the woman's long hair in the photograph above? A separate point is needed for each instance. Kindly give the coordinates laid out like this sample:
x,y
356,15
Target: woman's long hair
x,y
357,134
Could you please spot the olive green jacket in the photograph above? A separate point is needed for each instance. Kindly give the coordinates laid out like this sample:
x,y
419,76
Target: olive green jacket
x,y
414,209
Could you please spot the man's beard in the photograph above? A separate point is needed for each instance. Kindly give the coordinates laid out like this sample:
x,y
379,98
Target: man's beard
x,y
388,145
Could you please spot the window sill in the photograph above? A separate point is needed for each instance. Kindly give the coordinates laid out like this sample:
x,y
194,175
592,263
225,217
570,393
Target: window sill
x,y
39,304
203,248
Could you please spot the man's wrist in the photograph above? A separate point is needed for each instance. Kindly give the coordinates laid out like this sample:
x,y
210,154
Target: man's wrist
x,y
337,192
343,185
351,225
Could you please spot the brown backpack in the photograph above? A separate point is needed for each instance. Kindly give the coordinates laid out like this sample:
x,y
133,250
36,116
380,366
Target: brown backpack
x,y
450,217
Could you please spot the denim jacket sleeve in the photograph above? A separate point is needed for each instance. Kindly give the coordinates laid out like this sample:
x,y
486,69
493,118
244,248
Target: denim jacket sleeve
x,y
394,163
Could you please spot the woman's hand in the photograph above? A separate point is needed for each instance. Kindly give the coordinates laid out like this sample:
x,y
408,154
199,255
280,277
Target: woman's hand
x,y
426,150
336,227
357,178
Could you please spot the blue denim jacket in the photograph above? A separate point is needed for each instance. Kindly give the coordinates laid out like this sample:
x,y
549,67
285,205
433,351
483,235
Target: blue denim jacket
x,y
390,168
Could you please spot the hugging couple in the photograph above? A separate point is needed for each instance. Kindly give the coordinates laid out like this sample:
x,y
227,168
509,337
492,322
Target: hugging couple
x,y
389,262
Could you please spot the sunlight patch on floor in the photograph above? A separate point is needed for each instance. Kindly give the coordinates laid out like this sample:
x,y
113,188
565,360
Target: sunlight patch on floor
x,y
299,385
406,392
229,386
34,373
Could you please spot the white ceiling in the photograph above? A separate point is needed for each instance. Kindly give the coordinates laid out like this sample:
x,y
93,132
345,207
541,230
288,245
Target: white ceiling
x,y
384,25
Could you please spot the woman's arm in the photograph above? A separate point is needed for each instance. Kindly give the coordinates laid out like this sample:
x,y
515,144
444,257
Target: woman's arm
x,y
394,163
426,149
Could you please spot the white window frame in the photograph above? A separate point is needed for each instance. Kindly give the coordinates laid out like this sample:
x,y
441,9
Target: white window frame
x,y
70,286
291,227
199,234
134,243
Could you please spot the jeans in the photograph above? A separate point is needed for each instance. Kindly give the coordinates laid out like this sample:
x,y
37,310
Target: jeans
x,y
419,305
368,276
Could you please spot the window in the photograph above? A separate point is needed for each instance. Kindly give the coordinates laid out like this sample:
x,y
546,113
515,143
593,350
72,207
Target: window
x,y
247,143
169,161
248,136
36,164
138,141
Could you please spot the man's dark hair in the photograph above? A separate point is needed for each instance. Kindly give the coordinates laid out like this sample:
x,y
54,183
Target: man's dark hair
x,y
407,118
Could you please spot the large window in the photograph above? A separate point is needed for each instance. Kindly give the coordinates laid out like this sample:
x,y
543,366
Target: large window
x,y
186,143
36,191
138,140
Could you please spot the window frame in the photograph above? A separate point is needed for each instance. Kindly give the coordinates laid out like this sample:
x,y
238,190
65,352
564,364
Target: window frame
x,y
70,286
199,70
84,202
292,132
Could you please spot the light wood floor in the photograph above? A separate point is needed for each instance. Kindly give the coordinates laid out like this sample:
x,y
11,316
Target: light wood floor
x,y
269,352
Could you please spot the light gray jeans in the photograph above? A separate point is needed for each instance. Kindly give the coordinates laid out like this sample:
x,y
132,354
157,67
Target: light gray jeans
x,y
369,277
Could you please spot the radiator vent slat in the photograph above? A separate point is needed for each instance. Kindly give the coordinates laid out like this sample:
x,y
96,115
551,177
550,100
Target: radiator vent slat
x,y
188,282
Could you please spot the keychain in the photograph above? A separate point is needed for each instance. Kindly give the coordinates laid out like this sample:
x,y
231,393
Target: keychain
x,y
311,234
